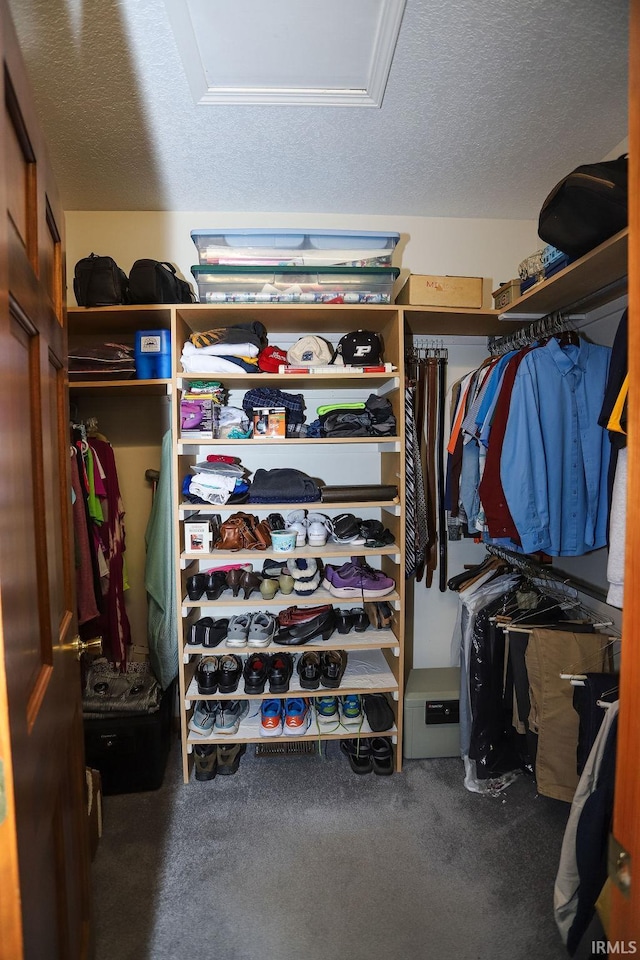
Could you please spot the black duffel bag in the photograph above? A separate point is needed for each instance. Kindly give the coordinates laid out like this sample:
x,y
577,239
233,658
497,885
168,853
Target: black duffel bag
x,y
151,281
587,207
99,282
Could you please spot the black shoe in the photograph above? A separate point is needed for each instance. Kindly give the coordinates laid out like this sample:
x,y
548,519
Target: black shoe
x,y
205,761
216,633
229,757
382,756
280,670
256,671
310,669
359,618
196,585
320,627
216,584
344,622
229,672
378,711
276,521
207,675
197,631
333,663
358,753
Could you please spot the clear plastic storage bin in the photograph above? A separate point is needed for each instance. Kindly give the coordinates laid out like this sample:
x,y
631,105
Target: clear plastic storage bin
x,y
309,248
253,284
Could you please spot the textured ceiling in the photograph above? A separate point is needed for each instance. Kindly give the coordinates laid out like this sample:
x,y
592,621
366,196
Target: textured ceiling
x,y
488,104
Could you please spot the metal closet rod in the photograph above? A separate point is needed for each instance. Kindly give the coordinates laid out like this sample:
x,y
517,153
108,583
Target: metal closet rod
x,y
533,568
548,326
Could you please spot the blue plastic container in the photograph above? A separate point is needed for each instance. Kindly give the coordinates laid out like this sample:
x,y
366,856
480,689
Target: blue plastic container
x,y
153,355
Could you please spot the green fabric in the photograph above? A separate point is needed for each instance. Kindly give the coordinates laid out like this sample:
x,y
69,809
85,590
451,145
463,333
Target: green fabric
x,y
340,406
95,507
162,618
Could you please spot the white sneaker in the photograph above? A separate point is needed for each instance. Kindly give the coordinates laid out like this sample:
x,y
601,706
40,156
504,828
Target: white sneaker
x,y
296,520
317,529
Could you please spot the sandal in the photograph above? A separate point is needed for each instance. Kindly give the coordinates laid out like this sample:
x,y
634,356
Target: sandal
x,y
358,753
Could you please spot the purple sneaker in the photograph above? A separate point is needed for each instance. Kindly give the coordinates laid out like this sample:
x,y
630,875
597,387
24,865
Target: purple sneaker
x,y
356,580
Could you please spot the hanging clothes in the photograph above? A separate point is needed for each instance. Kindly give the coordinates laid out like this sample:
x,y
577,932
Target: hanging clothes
x,y
113,622
531,456
86,571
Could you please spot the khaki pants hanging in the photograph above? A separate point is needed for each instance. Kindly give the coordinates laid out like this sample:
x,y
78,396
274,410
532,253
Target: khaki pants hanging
x,y
552,716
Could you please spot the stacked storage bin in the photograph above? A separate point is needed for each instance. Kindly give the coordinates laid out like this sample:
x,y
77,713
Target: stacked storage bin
x,y
294,266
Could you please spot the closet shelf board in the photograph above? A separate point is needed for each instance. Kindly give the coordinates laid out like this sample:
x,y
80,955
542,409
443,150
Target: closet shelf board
x,y
370,639
316,441
366,672
116,321
317,381
339,550
595,279
352,505
447,321
137,388
319,596
249,732
292,318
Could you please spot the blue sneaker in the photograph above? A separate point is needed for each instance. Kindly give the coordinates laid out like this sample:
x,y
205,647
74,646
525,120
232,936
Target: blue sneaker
x,y
271,718
327,710
297,716
203,717
351,710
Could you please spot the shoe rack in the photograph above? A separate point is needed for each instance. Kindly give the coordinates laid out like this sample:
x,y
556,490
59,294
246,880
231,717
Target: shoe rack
x,y
375,656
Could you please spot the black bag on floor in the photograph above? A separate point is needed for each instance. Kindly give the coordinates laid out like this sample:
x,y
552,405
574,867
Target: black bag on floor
x,y
151,281
587,207
99,282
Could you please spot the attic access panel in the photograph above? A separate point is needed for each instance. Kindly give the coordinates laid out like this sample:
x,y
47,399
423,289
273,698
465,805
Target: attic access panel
x,y
334,53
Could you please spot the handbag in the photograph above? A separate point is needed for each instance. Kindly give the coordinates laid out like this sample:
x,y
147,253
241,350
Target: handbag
x,y
586,207
99,282
151,281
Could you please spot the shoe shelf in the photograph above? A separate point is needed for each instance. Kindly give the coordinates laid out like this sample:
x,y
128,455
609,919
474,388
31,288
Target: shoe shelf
x,y
328,550
375,661
91,388
249,732
319,596
366,672
366,640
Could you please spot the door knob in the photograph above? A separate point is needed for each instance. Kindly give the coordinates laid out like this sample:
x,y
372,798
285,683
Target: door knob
x,y
93,646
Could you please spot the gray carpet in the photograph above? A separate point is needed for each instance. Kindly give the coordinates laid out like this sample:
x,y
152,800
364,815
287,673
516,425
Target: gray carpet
x,y
300,859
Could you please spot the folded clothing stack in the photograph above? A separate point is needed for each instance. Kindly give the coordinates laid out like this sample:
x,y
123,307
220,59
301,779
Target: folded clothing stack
x,y
293,404
373,418
283,485
225,349
217,479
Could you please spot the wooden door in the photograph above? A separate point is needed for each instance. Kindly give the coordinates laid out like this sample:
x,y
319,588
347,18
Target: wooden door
x,y
625,922
44,866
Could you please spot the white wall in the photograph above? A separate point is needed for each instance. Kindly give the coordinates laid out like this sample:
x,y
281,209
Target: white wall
x,y
476,248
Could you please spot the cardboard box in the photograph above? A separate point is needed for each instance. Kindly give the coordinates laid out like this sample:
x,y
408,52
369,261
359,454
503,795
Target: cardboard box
x,y
506,294
422,290
197,535
269,422
197,418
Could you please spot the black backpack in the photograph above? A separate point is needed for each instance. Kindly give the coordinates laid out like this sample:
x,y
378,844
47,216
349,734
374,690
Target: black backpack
x,y
151,281
587,207
99,282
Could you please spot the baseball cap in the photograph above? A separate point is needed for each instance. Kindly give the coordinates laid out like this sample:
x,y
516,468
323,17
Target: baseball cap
x,y
360,348
310,352
270,359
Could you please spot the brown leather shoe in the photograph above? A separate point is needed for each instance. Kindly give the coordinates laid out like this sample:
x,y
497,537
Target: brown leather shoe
x,y
301,614
250,581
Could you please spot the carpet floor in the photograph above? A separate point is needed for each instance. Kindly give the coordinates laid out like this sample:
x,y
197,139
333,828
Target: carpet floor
x,y
298,858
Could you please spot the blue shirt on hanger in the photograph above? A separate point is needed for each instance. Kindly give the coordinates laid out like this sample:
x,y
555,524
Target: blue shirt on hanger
x,y
555,456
